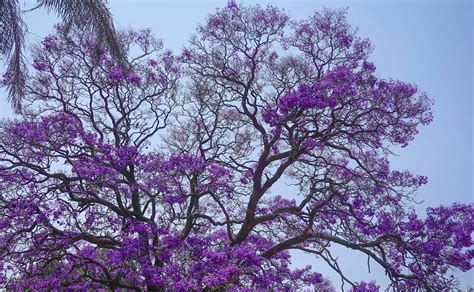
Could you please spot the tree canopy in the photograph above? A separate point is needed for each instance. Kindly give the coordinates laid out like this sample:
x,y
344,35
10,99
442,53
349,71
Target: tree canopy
x,y
165,173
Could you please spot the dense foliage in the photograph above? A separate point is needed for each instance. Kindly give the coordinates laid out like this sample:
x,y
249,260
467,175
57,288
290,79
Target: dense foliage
x,y
170,172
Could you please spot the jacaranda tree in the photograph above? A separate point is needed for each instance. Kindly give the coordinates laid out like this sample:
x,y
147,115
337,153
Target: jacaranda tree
x,y
167,173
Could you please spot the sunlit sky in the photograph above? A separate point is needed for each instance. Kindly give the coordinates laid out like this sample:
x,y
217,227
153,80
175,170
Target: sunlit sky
x,y
428,43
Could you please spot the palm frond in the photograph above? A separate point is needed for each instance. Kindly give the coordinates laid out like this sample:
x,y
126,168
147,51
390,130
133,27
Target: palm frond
x,y
92,15
87,15
12,42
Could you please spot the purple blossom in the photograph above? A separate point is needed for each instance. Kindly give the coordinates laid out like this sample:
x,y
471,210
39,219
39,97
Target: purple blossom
x,y
133,78
39,65
366,287
116,74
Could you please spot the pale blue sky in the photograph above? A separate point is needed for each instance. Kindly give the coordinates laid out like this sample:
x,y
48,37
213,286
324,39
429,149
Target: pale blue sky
x,y
429,43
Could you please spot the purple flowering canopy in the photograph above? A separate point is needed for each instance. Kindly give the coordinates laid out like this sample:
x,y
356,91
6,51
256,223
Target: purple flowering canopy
x,y
164,174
